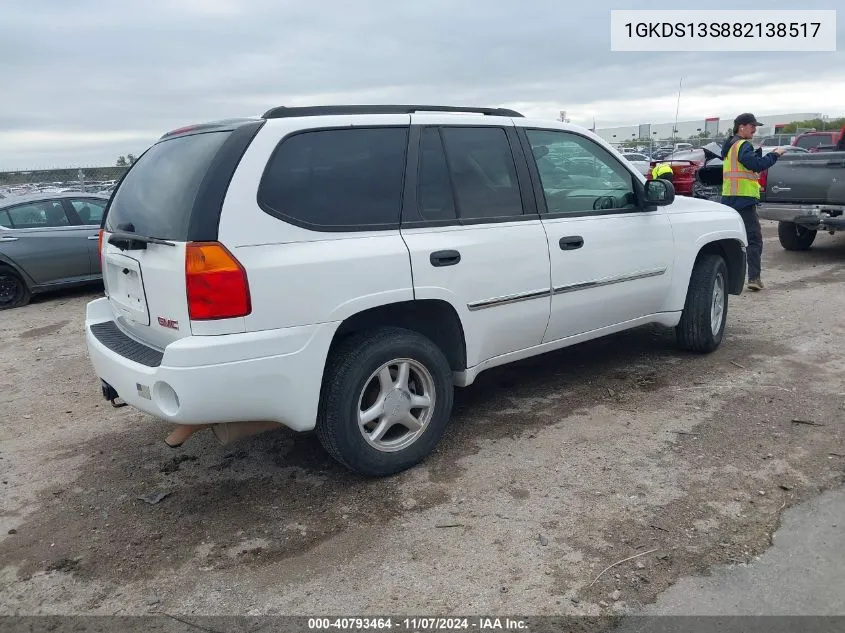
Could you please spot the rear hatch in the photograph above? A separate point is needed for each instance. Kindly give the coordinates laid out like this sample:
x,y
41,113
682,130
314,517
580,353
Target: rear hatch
x,y
170,197
811,178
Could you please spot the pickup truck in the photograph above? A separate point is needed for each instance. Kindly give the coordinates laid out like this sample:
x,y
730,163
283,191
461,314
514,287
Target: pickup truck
x,y
805,194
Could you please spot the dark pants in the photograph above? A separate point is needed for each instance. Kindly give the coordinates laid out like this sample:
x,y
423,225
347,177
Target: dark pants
x,y
755,240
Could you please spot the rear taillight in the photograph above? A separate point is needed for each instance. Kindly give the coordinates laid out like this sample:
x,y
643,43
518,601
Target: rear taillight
x,y
216,283
100,246
763,179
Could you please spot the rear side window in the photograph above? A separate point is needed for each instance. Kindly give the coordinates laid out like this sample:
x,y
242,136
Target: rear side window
x,y
158,194
483,172
337,179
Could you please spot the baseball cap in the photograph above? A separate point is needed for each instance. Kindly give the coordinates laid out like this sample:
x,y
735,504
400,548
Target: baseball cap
x,y
747,118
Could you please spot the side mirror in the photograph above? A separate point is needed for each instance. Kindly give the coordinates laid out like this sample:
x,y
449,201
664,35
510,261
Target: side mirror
x,y
659,192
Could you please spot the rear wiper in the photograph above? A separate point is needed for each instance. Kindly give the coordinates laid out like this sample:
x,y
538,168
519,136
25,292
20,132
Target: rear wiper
x,y
125,240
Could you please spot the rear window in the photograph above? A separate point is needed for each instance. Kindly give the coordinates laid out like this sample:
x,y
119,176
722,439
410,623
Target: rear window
x,y
337,179
809,142
158,194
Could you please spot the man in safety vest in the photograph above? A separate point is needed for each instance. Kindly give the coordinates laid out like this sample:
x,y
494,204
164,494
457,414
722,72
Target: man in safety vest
x,y
664,171
741,165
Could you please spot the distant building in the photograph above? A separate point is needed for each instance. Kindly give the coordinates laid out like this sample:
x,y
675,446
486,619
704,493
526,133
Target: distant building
x,y
710,126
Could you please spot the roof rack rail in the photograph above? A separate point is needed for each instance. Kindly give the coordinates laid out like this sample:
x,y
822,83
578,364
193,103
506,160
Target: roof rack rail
x,y
282,112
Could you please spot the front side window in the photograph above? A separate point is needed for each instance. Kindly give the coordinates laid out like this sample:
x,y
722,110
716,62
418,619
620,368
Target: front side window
x,y
578,175
341,178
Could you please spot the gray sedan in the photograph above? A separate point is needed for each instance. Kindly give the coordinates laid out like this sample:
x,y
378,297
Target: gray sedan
x,y
48,241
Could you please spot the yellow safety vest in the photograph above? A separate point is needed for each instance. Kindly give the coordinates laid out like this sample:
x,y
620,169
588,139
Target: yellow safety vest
x,y
737,179
660,169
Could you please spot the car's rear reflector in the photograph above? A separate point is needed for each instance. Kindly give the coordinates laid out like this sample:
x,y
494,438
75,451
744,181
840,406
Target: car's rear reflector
x,y
216,283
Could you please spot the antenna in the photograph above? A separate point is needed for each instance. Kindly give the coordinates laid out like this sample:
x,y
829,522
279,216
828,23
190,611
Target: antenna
x,y
677,110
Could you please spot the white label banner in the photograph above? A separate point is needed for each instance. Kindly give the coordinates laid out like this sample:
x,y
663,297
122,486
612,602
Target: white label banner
x,y
670,30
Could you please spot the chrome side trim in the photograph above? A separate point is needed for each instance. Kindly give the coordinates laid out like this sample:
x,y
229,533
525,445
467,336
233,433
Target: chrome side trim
x,y
516,298
607,282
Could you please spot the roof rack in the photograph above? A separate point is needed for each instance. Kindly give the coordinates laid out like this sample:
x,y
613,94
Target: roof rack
x,y
282,112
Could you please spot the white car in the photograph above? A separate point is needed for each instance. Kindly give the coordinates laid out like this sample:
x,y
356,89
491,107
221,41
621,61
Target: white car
x,y
343,268
641,162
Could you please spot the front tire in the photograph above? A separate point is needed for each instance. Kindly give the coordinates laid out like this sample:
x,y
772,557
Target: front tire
x,y
794,237
386,400
702,324
14,292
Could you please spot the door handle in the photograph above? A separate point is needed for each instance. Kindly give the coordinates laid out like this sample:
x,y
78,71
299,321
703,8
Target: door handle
x,y
9,239
445,258
93,237
571,242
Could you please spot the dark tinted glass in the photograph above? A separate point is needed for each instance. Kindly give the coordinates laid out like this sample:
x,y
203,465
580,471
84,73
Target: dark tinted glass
x,y
337,178
158,194
435,191
483,172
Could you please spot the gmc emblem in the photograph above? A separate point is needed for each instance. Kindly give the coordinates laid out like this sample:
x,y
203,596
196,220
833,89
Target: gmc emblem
x,y
168,323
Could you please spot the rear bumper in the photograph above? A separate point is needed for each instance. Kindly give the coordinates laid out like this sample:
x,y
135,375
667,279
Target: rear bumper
x,y
280,384
811,216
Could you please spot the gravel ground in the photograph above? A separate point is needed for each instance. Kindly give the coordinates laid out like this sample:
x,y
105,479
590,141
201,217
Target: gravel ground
x,y
553,469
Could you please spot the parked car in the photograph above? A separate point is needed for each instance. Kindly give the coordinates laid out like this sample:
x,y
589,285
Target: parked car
x,y
812,140
343,268
685,164
640,161
789,149
805,194
47,241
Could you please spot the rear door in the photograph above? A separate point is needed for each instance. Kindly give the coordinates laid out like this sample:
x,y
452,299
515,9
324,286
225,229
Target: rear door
x,y
47,244
611,261
172,193
89,211
475,239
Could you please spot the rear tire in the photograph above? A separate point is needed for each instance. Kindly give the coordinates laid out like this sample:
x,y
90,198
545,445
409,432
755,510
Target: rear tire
x,y
794,237
372,382
702,324
14,292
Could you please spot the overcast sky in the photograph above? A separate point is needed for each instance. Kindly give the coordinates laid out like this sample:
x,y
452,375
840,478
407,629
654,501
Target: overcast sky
x,y
83,82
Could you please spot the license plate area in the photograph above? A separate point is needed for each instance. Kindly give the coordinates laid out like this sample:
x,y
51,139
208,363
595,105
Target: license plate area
x,y
126,288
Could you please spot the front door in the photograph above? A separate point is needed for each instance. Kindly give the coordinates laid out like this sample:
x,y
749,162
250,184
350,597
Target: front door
x,y
474,236
43,241
611,261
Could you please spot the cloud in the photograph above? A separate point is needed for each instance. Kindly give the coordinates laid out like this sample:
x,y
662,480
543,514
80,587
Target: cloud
x,y
87,81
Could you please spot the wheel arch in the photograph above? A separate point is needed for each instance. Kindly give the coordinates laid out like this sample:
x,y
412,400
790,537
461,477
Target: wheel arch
x,y
733,252
8,263
434,318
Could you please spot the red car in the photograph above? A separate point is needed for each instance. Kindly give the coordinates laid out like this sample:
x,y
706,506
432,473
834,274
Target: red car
x,y
812,141
685,164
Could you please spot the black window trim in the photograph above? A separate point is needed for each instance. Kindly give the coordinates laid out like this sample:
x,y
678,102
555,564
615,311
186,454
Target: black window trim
x,y
636,185
336,228
411,208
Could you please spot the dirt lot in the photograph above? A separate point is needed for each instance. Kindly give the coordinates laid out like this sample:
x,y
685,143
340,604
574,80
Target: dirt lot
x,y
553,469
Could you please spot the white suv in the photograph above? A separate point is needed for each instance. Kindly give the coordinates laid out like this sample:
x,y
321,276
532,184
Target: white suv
x,y
343,268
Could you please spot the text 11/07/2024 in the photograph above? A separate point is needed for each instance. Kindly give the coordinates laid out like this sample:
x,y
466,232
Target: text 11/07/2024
x,y
741,30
